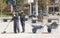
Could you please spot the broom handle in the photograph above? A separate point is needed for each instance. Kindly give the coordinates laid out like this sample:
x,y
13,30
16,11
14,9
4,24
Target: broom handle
x,y
6,26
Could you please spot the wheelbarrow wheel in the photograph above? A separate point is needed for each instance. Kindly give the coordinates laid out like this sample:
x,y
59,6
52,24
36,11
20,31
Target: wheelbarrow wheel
x,y
49,30
34,30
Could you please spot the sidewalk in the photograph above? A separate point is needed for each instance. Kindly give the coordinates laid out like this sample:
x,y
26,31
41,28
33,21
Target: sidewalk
x,y
28,33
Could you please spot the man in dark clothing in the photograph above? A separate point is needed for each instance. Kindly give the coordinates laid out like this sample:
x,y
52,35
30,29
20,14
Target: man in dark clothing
x,y
16,22
22,19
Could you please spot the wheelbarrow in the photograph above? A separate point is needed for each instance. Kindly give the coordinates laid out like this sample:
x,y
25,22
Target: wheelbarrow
x,y
54,25
35,28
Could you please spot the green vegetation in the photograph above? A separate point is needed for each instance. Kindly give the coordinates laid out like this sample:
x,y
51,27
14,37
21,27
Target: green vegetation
x,y
52,13
18,4
42,4
7,13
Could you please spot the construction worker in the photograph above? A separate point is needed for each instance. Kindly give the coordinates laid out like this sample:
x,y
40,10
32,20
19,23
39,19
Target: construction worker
x,y
16,22
22,19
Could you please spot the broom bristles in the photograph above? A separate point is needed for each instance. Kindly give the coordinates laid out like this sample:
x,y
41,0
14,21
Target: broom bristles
x,y
3,32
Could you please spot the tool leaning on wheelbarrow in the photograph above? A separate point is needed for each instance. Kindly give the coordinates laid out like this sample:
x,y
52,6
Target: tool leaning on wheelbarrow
x,y
5,28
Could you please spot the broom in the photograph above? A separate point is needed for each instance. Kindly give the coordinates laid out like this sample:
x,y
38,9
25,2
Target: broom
x,y
5,28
